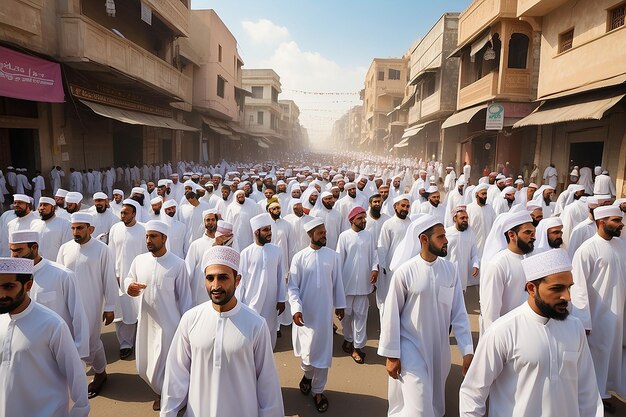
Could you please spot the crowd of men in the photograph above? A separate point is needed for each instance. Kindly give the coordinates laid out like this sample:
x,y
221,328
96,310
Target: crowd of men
x,y
198,267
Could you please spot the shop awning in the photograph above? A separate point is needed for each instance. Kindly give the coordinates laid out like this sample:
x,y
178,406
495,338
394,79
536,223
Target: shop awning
x,y
609,82
480,43
136,118
409,132
464,116
403,143
216,127
548,113
236,128
261,143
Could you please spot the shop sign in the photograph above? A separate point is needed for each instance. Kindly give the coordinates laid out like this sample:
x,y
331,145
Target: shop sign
x,y
495,117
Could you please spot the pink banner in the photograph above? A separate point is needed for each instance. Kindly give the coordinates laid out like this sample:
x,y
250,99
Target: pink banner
x,y
29,78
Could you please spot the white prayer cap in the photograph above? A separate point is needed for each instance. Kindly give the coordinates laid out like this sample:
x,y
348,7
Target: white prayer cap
x,y
449,167
457,209
402,197
221,255
592,201
349,186
281,182
295,201
208,212
156,200
118,191
21,197
597,170
24,236
223,228
326,194
189,184
546,263
47,200
532,185
519,181
532,206
16,266
461,180
312,224
137,190
541,234
261,220
162,183
157,226
516,219
507,190
10,167
81,217
603,212
432,189
576,187
481,187
574,172
410,245
100,196
73,197
61,193
500,177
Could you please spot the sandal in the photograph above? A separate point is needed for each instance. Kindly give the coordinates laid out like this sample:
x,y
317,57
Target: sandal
x,y
358,356
93,389
322,404
305,385
347,347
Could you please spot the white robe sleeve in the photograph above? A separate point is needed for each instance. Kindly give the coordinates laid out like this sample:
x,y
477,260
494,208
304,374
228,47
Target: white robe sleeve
x,y
491,290
460,321
268,390
589,400
389,345
384,242
338,290
109,282
177,372
581,268
281,285
80,325
183,290
293,286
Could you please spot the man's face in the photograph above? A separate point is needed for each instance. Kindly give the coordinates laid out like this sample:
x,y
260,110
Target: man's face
x,y
264,234
362,183
101,205
241,198
437,242
376,204
296,193
247,189
210,222
12,292
341,184
81,232
402,208
21,250
461,219
552,295
72,208
524,238
359,221
160,191
396,182
156,208
187,189
118,197
46,211
612,226
21,208
547,194
298,210
313,198
60,201
481,197
352,192
174,180
434,198
328,202
384,192
510,198
127,215
537,216
282,188
336,192
225,192
268,193
275,212
150,186
555,236
170,211
216,181
318,236
220,283
423,176
155,240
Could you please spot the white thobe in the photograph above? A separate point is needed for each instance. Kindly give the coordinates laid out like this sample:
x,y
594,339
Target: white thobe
x,y
284,237
38,186
333,222
391,234
375,225
76,182
599,301
126,244
346,204
301,238
586,179
550,176
531,366
178,237
55,177
502,283
262,283
492,192
239,216
102,222
358,257
424,300
580,234
463,252
41,370
55,287
22,184
162,303
453,199
481,219
221,364
603,184
572,215
13,225
193,262
53,233
426,207
315,289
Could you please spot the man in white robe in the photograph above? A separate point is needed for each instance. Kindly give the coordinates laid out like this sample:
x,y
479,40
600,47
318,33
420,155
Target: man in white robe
x,y
586,179
239,213
455,197
345,204
24,219
191,215
375,217
599,300
221,361
93,264
584,230
196,252
504,201
463,248
603,184
550,176
358,259
41,372
22,182
282,234
449,181
481,216
432,205
53,231
54,286
56,177
425,298
116,202
325,209
103,217
534,361
543,197
127,241
179,238
298,219
575,210
315,289
548,235
502,278
262,286
39,185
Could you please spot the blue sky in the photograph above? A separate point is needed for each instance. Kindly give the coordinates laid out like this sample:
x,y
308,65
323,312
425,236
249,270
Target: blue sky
x,y
325,45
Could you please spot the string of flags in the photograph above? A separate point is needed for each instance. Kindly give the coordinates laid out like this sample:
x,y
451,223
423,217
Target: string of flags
x,y
322,93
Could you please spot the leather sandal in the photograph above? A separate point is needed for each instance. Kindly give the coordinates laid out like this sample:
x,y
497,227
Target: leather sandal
x,y
305,385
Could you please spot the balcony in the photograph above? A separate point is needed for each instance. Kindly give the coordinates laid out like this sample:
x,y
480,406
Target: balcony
x,y
481,14
479,91
173,12
536,8
83,40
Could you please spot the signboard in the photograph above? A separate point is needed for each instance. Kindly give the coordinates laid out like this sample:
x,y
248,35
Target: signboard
x,y
495,117
29,78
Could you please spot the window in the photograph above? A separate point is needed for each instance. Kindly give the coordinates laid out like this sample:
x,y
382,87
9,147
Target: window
x,y
396,102
566,39
219,53
394,74
616,17
257,92
220,86
381,75
518,50
259,118
274,95
428,88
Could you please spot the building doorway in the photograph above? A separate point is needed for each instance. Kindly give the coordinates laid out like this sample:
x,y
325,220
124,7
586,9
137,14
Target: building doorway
x,y
128,145
588,154
19,147
166,150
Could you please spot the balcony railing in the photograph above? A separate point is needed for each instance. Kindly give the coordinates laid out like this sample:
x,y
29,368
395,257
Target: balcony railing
x,y
174,12
479,91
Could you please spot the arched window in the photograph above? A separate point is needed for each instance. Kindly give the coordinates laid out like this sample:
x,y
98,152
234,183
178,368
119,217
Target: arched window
x,y
518,51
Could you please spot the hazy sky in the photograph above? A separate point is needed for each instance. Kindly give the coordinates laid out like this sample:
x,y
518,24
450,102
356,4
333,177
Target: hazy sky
x,y
325,45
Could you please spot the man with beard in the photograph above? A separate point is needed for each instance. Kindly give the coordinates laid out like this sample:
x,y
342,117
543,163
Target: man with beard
x,y
358,259
53,230
24,220
160,277
191,216
543,197
73,202
462,248
156,205
481,216
178,239
282,234
504,201
502,277
116,204
297,220
387,207
348,202
536,212
418,190
455,198
395,190
41,370
59,199
54,287
94,265
126,240
425,300
262,285
151,189
549,235
574,211
196,251
324,209
225,345
534,360
103,218
432,205
239,213
269,193
375,217
599,298
315,289
176,188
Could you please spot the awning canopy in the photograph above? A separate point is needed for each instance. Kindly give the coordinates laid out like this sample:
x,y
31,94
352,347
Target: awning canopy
x,y
549,113
464,116
403,143
136,118
216,127
480,43
609,82
236,128
411,131
259,141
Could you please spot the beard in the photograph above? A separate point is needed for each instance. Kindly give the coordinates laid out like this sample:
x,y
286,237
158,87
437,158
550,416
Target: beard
x,y
549,311
138,198
547,201
12,304
329,206
443,251
526,247
265,239
481,200
461,227
433,203
19,213
536,222
375,211
612,231
460,190
556,243
101,209
577,197
510,202
320,243
157,212
275,216
45,217
402,214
